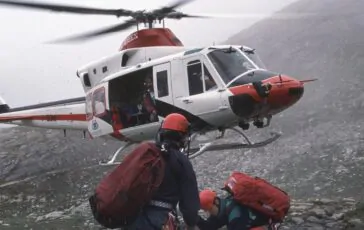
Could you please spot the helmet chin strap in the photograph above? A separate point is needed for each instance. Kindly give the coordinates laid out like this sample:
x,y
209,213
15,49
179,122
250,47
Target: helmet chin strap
x,y
184,149
188,140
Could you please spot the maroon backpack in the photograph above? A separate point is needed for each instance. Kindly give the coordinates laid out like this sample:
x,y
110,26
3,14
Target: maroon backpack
x,y
122,193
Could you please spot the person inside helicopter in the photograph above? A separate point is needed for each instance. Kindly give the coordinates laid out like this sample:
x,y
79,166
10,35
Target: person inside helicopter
x,y
121,108
133,97
149,98
210,84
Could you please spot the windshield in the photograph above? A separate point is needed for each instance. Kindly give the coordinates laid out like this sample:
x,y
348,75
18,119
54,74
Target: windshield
x,y
255,58
229,63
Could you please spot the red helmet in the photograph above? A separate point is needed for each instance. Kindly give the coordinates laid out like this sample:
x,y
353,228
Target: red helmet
x,y
176,122
207,199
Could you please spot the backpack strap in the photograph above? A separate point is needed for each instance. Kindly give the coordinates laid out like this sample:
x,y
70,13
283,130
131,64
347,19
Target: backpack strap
x,y
229,204
166,149
232,207
274,225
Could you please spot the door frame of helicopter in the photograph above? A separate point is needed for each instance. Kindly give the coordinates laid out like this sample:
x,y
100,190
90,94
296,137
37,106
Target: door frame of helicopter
x,y
132,84
206,104
97,105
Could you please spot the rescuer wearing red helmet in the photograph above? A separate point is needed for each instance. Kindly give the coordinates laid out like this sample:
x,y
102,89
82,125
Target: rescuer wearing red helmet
x,y
175,130
225,211
179,184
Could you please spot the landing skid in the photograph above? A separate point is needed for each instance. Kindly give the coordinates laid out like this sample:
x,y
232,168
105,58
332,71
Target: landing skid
x,y
112,161
210,146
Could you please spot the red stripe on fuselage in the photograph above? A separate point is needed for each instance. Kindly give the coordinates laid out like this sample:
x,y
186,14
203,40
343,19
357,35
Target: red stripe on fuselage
x,y
57,117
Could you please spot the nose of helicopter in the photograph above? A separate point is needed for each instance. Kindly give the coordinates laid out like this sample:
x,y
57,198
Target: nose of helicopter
x,y
268,94
283,91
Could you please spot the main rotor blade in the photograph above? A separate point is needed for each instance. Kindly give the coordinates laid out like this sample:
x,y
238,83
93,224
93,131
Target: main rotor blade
x,y
67,8
92,34
170,7
179,15
255,16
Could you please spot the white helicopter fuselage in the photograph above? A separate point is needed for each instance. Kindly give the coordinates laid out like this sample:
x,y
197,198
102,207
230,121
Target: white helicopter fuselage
x,y
185,80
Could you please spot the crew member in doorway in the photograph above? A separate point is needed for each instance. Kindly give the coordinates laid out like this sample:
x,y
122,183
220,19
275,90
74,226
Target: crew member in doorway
x,y
149,99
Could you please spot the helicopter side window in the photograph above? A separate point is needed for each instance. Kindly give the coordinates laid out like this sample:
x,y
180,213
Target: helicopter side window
x,y
209,81
195,81
162,83
98,102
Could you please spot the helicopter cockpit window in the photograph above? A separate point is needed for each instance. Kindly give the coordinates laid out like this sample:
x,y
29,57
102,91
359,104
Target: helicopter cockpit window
x,y
98,102
195,81
229,63
255,58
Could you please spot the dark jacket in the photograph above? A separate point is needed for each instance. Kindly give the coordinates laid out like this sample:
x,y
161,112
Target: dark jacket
x,y
234,216
179,186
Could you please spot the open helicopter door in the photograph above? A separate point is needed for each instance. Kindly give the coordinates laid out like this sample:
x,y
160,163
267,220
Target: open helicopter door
x,y
97,111
199,91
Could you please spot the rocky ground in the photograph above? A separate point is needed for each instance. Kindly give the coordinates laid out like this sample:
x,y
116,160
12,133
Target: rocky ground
x,y
45,178
53,192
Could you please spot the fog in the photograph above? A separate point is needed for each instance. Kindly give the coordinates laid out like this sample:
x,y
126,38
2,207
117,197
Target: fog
x,y
33,72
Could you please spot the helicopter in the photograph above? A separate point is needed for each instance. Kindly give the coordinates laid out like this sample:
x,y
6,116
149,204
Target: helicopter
x,y
127,94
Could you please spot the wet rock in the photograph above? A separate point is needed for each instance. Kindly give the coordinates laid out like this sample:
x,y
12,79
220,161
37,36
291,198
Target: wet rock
x,y
338,216
54,215
329,210
318,212
297,220
313,215
355,221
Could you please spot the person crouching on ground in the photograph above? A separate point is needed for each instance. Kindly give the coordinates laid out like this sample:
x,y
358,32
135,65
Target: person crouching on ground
x,y
227,212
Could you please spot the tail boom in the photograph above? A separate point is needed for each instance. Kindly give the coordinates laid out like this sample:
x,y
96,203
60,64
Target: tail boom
x,y
56,117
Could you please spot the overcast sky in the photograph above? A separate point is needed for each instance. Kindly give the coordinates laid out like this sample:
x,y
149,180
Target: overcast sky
x,y
33,72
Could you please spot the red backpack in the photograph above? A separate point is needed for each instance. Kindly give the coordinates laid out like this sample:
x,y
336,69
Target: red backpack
x,y
122,193
259,195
